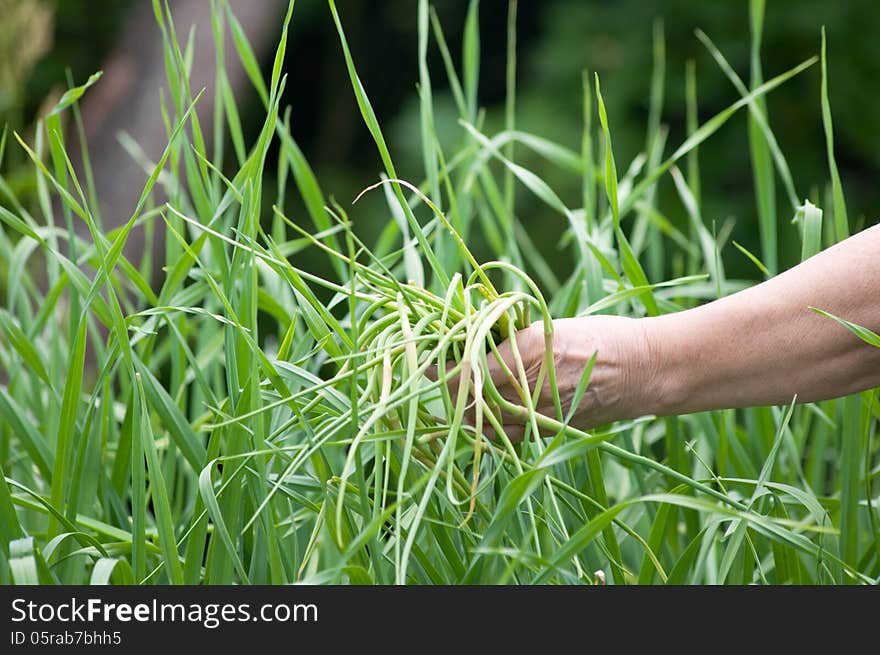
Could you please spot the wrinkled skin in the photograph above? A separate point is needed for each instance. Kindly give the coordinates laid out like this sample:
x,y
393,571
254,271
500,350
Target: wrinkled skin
x,y
616,341
760,346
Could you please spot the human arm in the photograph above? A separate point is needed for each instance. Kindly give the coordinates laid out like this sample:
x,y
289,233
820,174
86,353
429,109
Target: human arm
x,y
763,345
760,346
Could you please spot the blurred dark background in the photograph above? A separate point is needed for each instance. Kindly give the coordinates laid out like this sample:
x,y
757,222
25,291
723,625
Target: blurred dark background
x,y
557,39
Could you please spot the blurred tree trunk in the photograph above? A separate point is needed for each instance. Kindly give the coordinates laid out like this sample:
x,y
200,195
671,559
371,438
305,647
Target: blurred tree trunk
x,y
127,97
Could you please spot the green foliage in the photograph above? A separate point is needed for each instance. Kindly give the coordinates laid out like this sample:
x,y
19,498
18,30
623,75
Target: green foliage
x,y
256,422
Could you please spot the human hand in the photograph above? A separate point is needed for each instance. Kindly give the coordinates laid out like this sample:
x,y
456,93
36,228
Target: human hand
x,y
618,383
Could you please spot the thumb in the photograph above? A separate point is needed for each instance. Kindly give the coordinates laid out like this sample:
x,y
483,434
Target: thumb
x,y
452,381
529,345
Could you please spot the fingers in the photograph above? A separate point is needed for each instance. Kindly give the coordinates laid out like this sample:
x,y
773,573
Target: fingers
x,y
514,431
529,346
504,374
453,382
513,427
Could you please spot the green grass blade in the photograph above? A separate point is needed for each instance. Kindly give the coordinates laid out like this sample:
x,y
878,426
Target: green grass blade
x,y
372,123
809,218
841,221
862,333
67,428
159,494
471,58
